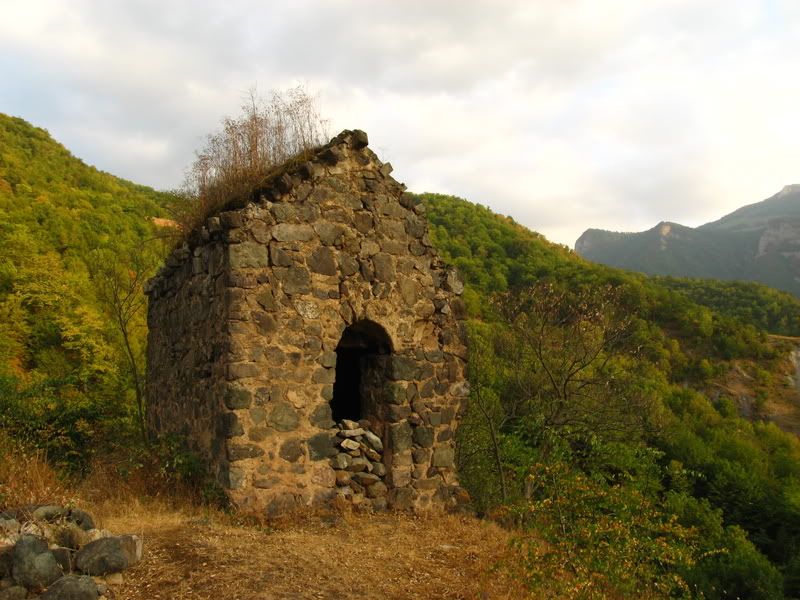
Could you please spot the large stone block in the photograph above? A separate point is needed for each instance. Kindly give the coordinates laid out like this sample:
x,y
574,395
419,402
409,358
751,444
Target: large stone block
x,y
409,291
291,450
329,233
242,451
423,436
296,280
324,375
284,417
395,413
231,425
248,255
266,299
323,261
395,393
400,437
290,232
401,498
242,370
403,368
279,256
443,457
322,445
384,267
321,417
348,264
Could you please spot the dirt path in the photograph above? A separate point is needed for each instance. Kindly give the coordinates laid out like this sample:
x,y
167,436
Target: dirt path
x,y
320,557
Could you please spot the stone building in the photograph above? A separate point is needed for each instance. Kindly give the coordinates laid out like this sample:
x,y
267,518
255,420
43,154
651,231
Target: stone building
x,y
307,342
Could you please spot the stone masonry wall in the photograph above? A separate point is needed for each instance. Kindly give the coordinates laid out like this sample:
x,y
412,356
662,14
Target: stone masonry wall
x,y
245,321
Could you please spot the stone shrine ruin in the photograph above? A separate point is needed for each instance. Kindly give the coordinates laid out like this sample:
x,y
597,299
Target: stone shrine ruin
x,y
307,342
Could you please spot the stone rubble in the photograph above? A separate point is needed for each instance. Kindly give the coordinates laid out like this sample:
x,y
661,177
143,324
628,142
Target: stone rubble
x,y
57,552
359,466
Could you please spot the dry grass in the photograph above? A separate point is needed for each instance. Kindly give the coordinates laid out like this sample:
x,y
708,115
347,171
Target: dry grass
x,y
26,478
205,554
195,553
238,158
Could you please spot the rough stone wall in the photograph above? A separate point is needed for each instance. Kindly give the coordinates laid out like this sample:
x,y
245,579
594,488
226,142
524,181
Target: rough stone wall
x,y
246,318
187,341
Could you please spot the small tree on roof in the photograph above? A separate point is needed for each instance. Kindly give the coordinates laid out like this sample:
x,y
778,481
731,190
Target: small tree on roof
x,y
238,157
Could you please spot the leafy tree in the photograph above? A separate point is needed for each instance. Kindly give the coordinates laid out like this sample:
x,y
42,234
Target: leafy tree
x,y
566,353
119,283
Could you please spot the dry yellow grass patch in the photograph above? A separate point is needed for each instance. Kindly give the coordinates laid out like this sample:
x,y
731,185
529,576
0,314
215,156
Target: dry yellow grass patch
x,y
26,478
196,554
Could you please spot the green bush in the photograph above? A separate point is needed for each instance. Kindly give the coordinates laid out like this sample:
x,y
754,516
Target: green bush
x,y
591,539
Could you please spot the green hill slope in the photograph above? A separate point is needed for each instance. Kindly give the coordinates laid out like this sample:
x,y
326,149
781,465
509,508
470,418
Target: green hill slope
x,y
759,242
60,354
703,349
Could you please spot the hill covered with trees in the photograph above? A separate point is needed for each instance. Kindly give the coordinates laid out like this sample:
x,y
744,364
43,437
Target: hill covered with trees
x,y
75,245
640,362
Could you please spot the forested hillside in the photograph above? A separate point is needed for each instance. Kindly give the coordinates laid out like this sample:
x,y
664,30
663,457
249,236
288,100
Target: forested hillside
x,y
73,243
730,482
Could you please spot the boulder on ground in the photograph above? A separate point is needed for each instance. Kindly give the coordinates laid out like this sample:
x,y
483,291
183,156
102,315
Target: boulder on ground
x,y
109,555
81,518
49,513
15,592
34,566
72,587
6,561
71,536
65,557
52,513
9,526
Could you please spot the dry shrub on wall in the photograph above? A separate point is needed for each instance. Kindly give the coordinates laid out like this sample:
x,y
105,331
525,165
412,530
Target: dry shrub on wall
x,y
240,156
26,477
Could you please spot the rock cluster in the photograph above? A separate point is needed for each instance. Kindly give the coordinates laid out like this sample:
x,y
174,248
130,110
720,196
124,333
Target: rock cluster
x,y
57,552
359,465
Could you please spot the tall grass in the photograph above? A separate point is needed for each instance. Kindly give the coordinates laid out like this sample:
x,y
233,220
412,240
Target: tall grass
x,y
26,478
237,158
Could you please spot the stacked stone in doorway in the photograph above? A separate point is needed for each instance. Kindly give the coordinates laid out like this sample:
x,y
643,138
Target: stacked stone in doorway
x,y
359,465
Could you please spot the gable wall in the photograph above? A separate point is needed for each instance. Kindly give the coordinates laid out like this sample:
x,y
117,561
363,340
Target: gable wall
x,y
334,243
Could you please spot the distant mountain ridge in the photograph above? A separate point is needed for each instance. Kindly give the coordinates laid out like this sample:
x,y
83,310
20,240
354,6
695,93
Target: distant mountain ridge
x,y
758,242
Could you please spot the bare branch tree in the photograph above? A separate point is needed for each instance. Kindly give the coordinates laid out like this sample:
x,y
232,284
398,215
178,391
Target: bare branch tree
x,y
564,351
484,400
238,157
119,284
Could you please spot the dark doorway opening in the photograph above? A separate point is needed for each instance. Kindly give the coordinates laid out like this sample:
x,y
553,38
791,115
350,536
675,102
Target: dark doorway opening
x,y
360,343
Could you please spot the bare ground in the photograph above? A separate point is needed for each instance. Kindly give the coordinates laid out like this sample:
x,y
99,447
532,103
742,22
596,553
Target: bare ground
x,y
196,555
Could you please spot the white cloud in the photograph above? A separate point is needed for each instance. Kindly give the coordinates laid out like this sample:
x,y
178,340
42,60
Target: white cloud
x,y
565,115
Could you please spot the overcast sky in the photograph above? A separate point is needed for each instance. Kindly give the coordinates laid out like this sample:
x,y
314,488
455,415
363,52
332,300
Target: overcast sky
x,y
564,114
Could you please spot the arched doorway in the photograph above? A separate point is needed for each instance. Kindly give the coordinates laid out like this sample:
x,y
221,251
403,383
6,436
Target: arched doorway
x,y
358,362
